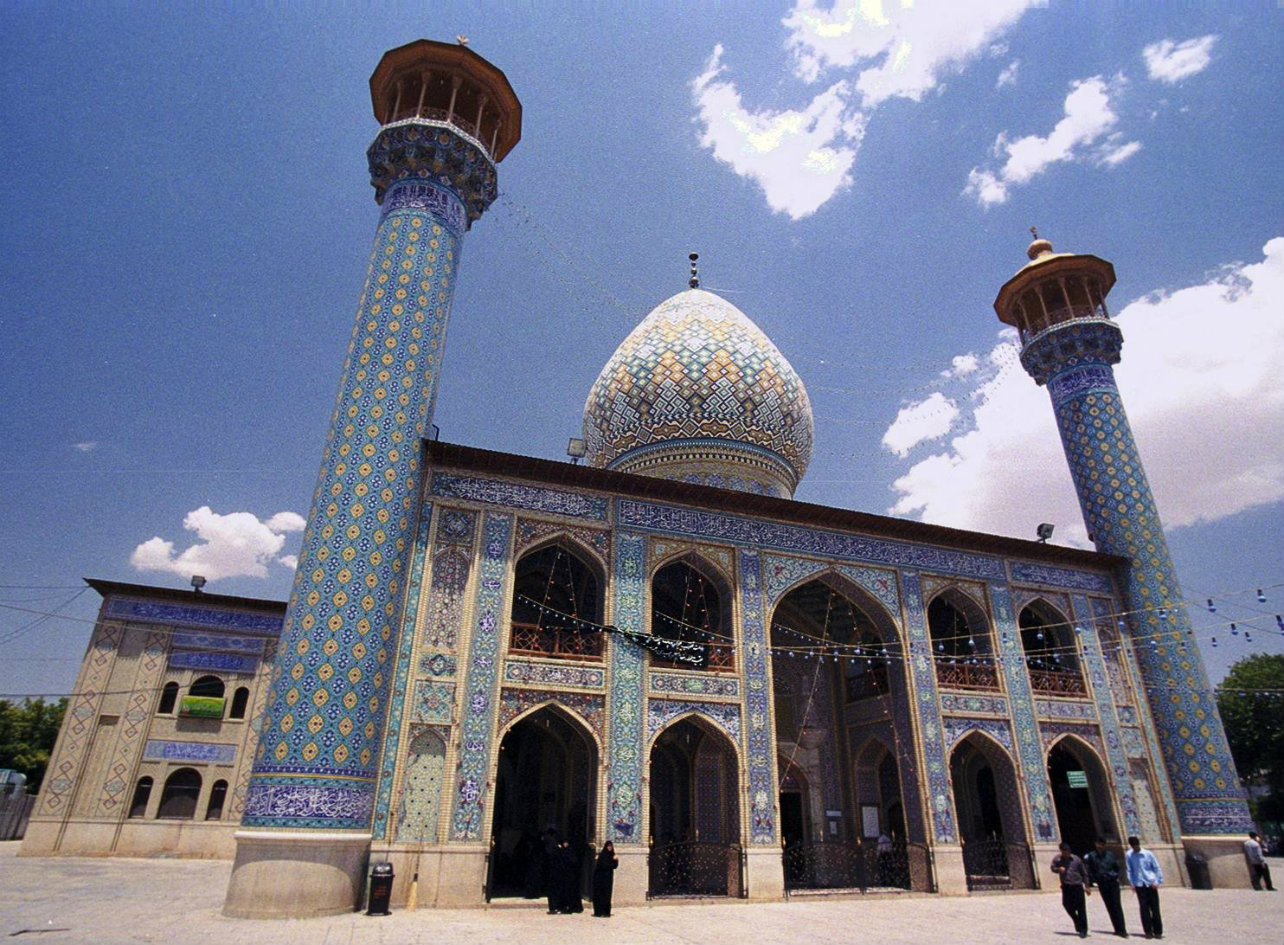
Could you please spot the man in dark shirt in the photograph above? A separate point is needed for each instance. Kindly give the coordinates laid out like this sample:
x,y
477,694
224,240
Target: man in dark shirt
x,y
1103,872
1074,887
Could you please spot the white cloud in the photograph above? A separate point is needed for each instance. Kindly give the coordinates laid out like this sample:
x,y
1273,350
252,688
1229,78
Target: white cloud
x,y
86,446
1207,410
928,419
233,545
1171,62
899,49
802,157
799,158
962,364
1087,120
1009,75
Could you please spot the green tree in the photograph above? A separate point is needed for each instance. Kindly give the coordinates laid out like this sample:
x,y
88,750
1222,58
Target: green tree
x,y
27,734
1250,703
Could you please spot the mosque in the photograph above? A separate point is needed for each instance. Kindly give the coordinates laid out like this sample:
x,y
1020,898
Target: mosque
x,y
749,695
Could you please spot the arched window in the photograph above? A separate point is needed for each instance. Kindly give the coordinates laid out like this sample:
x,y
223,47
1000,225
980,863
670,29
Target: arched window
x,y
218,794
1051,653
687,606
557,606
961,643
169,696
208,686
178,799
240,700
142,793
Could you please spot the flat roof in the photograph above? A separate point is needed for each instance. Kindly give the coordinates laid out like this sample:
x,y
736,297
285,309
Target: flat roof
x,y
570,475
184,596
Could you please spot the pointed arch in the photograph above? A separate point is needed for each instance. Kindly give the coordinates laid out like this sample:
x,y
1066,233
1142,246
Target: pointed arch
x,y
962,638
421,787
694,782
692,601
1051,650
567,713
1085,806
558,601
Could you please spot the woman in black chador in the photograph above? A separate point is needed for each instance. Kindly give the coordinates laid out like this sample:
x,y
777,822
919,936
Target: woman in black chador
x,y
604,880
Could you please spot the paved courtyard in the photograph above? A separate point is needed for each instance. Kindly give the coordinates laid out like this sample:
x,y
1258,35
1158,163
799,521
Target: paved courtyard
x,y
105,901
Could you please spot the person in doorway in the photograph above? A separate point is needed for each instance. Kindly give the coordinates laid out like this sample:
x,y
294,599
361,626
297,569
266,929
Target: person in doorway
x,y
1145,877
1257,868
1103,872
604,880
567,880
1074,887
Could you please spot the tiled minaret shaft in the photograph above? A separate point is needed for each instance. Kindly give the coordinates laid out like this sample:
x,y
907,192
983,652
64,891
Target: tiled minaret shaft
x,y
1069,343
447,118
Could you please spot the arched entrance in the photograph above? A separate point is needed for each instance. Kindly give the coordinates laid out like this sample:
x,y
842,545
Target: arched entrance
x,y
987,801
545,787
695,812
1081,794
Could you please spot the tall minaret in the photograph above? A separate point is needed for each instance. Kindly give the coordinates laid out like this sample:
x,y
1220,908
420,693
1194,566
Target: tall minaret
x,y
448,117
1068,342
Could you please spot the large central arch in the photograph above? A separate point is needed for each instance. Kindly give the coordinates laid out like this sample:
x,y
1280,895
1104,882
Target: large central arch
x,y
987,801
545,791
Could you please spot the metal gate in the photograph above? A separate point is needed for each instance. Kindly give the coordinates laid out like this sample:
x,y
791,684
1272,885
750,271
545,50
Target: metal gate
x,y
863,866
695,868
997,864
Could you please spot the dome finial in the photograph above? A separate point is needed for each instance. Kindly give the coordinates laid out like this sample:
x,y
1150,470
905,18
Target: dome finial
x,y
1039,247
695,270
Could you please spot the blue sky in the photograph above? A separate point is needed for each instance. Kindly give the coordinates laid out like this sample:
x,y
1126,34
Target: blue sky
x,y
187,219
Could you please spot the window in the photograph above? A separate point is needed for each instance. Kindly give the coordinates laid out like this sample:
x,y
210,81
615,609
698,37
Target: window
x,y
686,606
961,643
142,793
169,696
218,794
556,606
210,687
182,789
239,702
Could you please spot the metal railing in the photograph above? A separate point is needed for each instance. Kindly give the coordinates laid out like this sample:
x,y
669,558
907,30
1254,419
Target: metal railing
x,y
863,865
697,868
998,864
967,676
1057,682
530,639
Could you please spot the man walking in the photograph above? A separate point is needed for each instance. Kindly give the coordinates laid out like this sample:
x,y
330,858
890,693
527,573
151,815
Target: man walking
x,y
1145,876
1103,872
1257,868
1074,887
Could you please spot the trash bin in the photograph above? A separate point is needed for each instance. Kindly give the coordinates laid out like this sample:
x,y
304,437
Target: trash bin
x,y
380,889
1197,867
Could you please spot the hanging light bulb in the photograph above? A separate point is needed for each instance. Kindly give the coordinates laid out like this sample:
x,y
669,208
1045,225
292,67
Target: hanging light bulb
x,y
1163,614
971,642
1261,598
1234,630
1214,641
940,647
1248,637
1212,608
1039,635
1078,631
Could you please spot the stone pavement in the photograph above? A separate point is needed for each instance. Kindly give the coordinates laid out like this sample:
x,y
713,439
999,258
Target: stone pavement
x,y
102,901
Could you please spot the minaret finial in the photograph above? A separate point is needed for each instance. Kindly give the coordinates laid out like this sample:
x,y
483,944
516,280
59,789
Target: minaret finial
x,y
1034,231
695,271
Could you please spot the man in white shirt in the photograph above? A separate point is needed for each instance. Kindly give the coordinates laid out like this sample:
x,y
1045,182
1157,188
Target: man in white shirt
x,y
1145,876
1257,868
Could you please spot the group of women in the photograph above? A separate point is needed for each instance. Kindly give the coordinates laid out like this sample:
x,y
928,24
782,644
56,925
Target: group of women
x,y
562,878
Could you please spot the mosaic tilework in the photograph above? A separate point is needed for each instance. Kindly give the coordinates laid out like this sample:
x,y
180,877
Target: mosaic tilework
x,y
693,684
697,367
158,749
624,776
261,689
531,531
1020,699
1064,709
1134,747
151,611
1047,575
183,639
722,558
1051,731
660,712
957,703
323,727
148,669
401,686
766,534
998,729
1114,755
554,674
483,677
783,573
760,740
517,496
214,662
422,788
1120,512
409,162
434,702
438,665
1127,714
448,586
589,708
933,735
